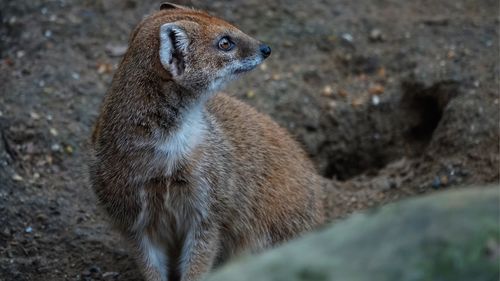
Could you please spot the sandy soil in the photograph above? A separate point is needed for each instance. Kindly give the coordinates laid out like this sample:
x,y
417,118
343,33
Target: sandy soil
x,y
390,98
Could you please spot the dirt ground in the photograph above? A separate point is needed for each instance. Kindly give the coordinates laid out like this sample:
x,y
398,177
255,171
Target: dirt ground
x,y
390,98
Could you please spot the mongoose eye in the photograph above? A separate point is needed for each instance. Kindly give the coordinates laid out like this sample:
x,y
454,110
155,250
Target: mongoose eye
x,y
225,44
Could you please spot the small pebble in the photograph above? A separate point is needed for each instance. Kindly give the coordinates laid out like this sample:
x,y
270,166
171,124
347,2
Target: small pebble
x,y
41,217
68,149
116,50
20,54
250,94
376,35
55,147
104,68
34,115
109,274
376,89
381,72
357,102
94,269
48,90
28,229
275,77
347,37
375,100
327,91
342,93
17,177
436,183
332,104
444,180
30,148
53,132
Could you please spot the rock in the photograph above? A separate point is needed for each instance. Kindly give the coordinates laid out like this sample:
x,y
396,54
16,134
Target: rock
x,y
445,236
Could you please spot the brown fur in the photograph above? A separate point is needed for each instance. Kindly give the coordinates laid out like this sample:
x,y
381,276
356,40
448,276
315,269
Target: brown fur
x,y
245,187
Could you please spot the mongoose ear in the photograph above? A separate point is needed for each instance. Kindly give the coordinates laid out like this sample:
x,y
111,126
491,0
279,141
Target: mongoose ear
x,y
173,48
170,6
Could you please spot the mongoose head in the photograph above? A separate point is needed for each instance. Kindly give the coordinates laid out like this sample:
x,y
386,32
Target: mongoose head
x,y
199,52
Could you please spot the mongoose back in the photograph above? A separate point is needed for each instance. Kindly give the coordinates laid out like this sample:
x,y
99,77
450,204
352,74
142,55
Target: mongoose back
x,y
188,176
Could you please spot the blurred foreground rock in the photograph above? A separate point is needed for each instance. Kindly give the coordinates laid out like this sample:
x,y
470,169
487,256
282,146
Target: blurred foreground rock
x,y
448,236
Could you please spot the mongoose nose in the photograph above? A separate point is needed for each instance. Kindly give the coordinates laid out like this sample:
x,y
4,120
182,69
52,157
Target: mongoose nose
x,y
265,50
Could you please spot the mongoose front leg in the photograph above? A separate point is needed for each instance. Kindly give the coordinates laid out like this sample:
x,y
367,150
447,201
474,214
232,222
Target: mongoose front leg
x,y
202,254
152,259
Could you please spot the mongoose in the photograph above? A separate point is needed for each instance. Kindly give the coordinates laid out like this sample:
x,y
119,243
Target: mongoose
x,y
189,176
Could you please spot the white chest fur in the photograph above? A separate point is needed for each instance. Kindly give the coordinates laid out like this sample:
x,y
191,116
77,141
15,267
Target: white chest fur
x,y
179,145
